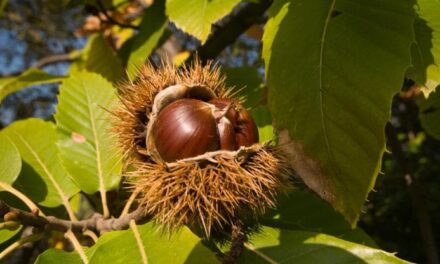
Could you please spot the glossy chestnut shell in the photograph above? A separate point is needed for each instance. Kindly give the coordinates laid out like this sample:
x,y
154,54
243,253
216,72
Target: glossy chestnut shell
x,y
189,127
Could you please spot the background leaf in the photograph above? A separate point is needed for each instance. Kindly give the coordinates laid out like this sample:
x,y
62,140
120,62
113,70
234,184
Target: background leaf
x,y
6,234
10,166
248,82
196,17
285,246
10,160
97,56
429,112
151,30
333,68
56,256
263,119
425,51
87,149
28,78
35,139
120,246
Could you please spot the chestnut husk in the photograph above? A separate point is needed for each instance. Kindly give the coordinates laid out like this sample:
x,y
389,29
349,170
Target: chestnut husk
x,y
209,191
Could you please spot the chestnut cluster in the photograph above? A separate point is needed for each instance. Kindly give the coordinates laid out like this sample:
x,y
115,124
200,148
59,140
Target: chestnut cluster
x,y
191,127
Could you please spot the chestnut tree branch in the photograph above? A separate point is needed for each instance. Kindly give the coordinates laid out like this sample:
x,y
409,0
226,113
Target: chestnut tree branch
x,y
53,59
96,223
224,35
238,237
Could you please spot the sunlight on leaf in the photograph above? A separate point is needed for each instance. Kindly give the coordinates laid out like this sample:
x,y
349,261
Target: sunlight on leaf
x,y
183,247
88,150
425,51
196,17
36,139
429,114
10,160
285,246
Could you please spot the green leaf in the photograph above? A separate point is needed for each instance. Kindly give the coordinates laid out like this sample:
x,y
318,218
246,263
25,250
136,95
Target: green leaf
x,y
97,56
86,146
122,246
10,160
285,246
184,247
425,51
332,69
263,119
151,30
28,78
6,234
56,256
248,82
304,211
196,17
3,4
36,139
429,113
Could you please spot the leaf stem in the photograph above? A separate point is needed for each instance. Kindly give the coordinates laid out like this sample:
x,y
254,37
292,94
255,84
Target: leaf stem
x,y
77,246
97,223
137,236
91,234
10,225
31,205
105,211
129,203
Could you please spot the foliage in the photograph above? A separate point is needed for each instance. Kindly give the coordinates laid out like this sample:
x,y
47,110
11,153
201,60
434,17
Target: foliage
x,y
327,91
331,71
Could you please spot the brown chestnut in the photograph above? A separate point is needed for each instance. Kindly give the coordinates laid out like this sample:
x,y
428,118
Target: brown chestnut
x,y
226,134
246,131
185,128
190,127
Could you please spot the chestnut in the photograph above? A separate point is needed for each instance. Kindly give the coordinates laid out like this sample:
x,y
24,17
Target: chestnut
x,y
226,134
185,128
189,127
185,141
246,131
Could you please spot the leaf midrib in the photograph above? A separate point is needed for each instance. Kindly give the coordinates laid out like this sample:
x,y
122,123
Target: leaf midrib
x,y
96,140
260,254
321,103
61,193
